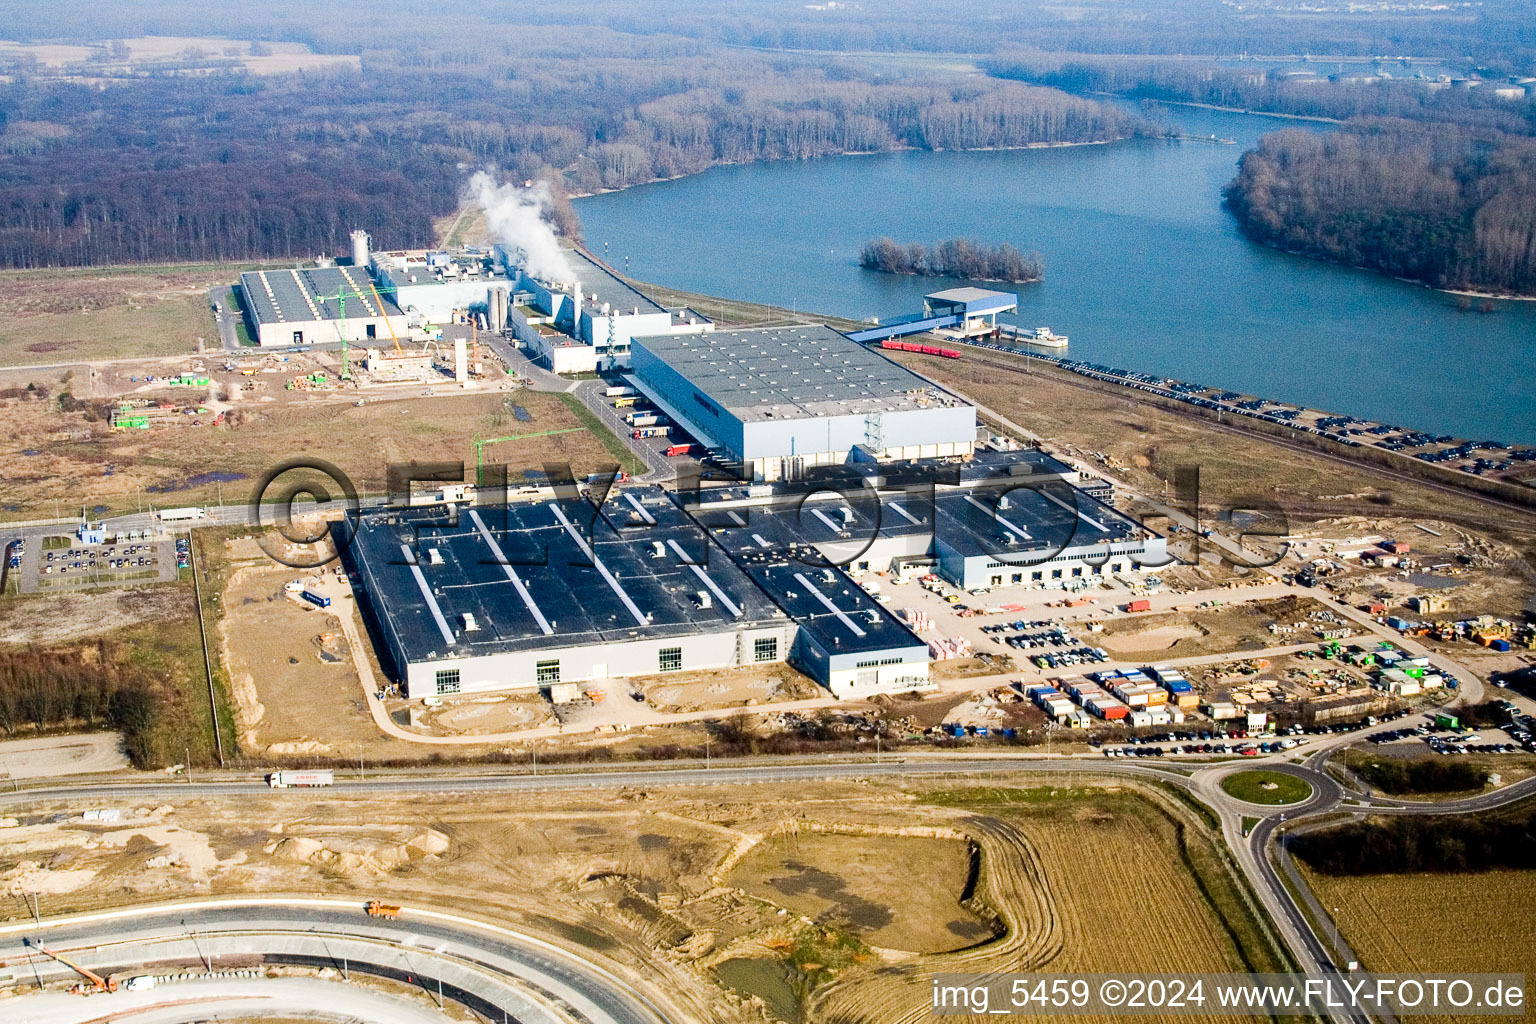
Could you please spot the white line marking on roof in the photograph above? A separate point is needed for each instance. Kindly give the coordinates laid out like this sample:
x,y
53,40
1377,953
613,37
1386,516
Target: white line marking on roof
x,y
426,592
598,562
819,514
995,514
895,506
834,609
501,559
760,542
650,520
705,578
1084,517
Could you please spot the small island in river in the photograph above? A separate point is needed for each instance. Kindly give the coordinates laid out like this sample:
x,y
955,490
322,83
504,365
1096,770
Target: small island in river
x,y
957,257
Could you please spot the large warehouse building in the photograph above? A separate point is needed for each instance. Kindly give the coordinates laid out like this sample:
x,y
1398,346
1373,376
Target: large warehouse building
x,y
317,305
524,596
779,400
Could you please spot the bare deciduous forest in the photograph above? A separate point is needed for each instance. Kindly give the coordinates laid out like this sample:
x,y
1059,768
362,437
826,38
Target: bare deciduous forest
x,y
195,158
1450,206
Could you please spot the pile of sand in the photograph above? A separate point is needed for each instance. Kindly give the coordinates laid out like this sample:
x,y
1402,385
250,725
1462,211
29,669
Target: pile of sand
x,y
357,855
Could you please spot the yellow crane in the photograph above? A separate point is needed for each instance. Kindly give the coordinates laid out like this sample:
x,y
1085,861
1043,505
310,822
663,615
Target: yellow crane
x,y
340,298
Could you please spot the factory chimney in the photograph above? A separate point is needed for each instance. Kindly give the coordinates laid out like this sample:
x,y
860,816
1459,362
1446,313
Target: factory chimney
x,y
576,316
359,248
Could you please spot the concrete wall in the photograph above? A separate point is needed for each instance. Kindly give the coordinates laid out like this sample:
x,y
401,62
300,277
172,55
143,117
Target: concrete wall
x,y
518,670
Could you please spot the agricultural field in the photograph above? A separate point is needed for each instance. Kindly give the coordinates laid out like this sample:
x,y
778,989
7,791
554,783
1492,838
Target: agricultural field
x,y
1478,921
832,905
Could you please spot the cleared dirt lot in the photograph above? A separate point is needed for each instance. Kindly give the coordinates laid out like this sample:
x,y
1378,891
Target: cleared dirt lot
x,y
55,456
48,756
685,885
1228,629
846,878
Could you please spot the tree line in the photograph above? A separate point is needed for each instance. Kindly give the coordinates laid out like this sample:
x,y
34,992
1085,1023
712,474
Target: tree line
x,y
1409,843
956,257
91,686
233,166
1448,205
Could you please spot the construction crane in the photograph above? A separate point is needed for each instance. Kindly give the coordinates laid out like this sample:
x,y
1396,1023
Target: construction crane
x,y
98,983
340,298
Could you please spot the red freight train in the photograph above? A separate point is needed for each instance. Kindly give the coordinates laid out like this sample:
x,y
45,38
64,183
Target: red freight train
x,y
927,350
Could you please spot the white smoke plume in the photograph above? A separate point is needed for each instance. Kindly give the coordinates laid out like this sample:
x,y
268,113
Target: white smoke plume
x,y
515,217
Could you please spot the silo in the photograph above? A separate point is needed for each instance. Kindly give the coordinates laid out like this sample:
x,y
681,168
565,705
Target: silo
x,y
359,248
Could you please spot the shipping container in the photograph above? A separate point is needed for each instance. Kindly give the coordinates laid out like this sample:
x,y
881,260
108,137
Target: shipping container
x,y
1139,606
679,449
319,600
619,391
286,779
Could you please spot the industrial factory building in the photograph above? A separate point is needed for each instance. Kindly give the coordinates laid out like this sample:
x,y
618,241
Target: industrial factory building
x,y
1012,520
587,324
525,596
780,400
317,305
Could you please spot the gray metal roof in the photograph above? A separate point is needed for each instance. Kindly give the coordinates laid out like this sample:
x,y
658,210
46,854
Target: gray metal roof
x,y
599,285
799,372
307,294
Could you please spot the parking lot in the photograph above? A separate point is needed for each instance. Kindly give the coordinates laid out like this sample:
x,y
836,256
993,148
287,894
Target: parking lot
x,y
127,562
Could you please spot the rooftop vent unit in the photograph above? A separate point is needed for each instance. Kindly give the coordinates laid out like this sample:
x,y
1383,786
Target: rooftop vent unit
x,y
434,556
705,600
470,625
658,549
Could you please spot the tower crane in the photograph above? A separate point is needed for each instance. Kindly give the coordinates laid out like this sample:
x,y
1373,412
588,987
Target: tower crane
x,y
340,298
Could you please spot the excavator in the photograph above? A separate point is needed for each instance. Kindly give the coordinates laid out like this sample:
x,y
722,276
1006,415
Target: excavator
x,y
97,982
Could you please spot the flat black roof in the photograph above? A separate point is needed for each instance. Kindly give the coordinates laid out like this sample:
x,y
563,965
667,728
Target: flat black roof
x,y
1035,522
551,594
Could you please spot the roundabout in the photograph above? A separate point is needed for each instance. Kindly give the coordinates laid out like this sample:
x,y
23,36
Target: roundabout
x,y
1266,788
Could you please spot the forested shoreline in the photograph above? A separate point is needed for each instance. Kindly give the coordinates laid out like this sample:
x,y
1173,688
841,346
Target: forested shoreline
x,y
232,166
955,257
1446,205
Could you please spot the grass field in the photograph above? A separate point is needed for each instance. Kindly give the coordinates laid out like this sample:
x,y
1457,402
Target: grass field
x,y
89,313
172,465
1262,787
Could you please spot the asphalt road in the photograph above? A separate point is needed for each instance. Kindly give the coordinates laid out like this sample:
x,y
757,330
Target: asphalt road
x,y
421,947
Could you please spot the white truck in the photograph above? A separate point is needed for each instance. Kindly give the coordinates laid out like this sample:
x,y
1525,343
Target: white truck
x,y
181,515
291,779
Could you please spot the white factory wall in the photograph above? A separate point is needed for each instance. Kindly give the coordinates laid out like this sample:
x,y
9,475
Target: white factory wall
x,y
859,675
1086,561
518,670
321,332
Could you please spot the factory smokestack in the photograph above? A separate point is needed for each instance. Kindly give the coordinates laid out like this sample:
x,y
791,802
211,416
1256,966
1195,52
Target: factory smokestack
x,y
516,219
359,248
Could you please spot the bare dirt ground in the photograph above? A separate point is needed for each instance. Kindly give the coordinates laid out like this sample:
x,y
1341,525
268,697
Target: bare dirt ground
x,y
48,756
53,457
737,687
272,647
683,886
1228,629
56,618
1147,443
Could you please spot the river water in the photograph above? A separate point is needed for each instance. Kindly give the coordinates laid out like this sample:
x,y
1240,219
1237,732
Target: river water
x,y
1144,270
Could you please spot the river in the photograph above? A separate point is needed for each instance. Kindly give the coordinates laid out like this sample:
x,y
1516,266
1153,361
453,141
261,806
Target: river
x,y
1143,270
